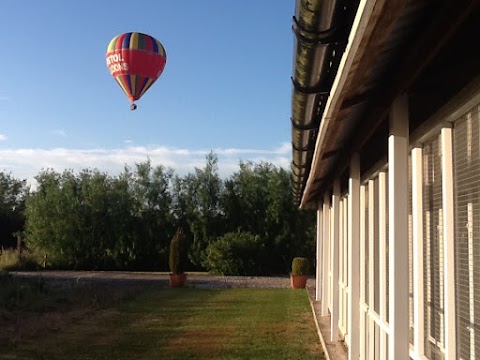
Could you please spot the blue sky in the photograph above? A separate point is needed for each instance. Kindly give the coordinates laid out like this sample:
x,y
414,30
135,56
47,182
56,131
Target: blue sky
x,y
226,85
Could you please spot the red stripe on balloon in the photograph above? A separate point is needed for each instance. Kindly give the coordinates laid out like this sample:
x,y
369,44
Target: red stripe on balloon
x,y
118,45
148,42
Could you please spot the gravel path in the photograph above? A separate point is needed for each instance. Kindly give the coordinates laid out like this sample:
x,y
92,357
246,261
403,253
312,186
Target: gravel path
x,y
194,280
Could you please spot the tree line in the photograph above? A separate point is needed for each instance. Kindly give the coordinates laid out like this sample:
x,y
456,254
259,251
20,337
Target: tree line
x,y
246,224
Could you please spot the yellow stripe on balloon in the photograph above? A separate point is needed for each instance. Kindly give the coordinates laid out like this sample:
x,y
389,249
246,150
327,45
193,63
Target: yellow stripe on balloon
x,y
133,82
120,82
134,41
111,45
145,88
161,49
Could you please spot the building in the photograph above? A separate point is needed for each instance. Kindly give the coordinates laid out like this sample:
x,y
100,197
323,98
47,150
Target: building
x,y
386,147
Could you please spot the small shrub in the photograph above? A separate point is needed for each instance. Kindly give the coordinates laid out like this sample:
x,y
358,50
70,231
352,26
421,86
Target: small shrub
x,y
178,253
300,266
234,254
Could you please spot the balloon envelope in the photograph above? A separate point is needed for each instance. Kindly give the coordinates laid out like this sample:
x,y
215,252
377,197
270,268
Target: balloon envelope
x,y
136,61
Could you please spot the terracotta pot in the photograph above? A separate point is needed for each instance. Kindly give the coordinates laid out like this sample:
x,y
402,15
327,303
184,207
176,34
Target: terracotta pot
x,y
298,281
178,280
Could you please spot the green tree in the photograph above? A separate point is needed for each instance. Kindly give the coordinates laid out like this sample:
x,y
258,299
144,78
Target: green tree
x,y
47,226
94,221
82,221
152,191
206,217
123,252
257,199
13,193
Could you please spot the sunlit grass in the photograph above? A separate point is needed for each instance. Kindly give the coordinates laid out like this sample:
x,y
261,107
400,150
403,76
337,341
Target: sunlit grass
x,y
9,260
163,323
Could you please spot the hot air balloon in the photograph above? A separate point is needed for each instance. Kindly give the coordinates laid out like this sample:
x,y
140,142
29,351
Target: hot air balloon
x,y
136,61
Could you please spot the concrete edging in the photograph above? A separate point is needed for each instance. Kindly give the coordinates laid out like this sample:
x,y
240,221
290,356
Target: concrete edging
x,y
322,340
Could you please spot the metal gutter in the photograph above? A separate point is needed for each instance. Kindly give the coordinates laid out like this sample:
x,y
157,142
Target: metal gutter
x,y
359,26
321,29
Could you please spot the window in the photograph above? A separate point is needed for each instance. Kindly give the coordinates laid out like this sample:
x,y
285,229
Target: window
x,y
433,250
466,144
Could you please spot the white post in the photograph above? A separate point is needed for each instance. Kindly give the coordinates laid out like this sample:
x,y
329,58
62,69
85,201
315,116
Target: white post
x,y
346,266
325,254
449,243
382,235
330,261
417,247
354,259
318,279
341,287
471,242
471,278
363,246
371,266
363,241
335,239
398,229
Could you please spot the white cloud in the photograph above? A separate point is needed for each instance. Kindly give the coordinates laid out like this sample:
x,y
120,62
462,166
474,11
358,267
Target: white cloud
x,y
26,163
3,137
128,141
284,148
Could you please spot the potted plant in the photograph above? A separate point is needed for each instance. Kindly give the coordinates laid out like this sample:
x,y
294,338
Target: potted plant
x,y
298,276
177,258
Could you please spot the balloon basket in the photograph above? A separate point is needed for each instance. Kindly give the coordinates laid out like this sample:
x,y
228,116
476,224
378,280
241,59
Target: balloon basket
x,y
133,107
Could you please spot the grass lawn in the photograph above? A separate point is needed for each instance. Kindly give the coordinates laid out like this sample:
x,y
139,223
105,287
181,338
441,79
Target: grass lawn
x,y
163,323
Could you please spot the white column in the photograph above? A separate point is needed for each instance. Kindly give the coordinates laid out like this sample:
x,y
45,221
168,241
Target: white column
x,y
345,268
418,283
398,229
382,227
449,244
471,278
363,240
335,239
341,287
471,242
354,259
325,254
330,263
371,266
318,279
